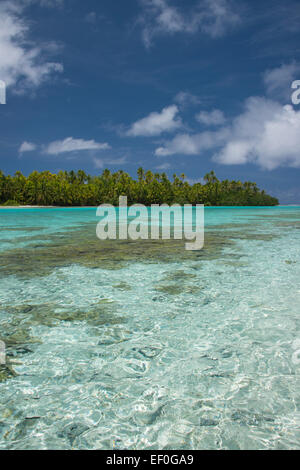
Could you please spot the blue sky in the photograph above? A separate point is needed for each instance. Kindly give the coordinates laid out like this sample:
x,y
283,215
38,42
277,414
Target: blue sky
x,y
181,86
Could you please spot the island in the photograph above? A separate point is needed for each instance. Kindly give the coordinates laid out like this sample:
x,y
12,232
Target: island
x,y
70,188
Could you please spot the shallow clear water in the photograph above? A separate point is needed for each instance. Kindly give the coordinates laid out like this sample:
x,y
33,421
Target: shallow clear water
x,y
134,350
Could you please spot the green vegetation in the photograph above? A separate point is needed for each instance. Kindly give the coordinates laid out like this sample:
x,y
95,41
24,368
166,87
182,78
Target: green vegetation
x,y
79,189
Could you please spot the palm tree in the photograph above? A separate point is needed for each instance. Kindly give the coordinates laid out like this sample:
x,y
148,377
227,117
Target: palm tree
x,y
81,176
141,174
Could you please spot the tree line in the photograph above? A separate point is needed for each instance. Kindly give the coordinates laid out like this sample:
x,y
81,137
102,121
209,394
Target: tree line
x,y
70,188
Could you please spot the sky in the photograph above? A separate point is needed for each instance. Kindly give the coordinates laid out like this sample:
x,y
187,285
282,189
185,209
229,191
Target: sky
x,y
175,86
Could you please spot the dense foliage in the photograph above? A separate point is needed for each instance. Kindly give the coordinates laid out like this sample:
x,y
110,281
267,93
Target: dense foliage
x,y
80,189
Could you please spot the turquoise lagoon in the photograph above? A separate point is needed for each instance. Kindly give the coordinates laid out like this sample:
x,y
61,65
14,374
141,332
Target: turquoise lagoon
x,y
144,345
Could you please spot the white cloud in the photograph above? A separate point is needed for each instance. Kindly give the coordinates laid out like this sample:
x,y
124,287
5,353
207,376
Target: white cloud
x,y
27,147
192,144
163,166
185,98
265,133
211,118
158,18
100,163
73,145
156,123
218,17
235,152
211,17
278,81
21,62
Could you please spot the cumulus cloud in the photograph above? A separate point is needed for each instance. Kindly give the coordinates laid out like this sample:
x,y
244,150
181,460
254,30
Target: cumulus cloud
x,y
211,17
192,144
73,145
265,133
278,81
156,123
27,147
21,62
211,118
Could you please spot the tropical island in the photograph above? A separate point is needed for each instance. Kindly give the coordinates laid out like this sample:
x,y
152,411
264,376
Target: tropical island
x,y
70,188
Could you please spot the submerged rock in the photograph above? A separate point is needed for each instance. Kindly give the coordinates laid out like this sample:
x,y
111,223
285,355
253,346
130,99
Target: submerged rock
x,y
123,286
6,372
150,417
207,422
72,431
49,314
149,352
81,246
177,288
251,418
180,275
24,427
